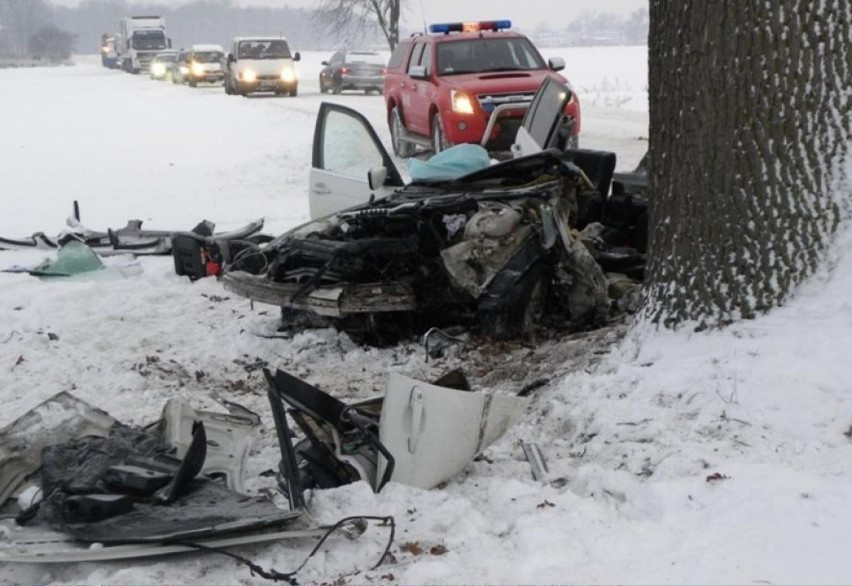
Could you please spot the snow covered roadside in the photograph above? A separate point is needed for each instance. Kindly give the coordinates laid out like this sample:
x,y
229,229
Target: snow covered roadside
x,y
675,458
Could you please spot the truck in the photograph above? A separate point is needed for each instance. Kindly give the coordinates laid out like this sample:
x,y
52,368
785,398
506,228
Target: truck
x,y
109,50
142,38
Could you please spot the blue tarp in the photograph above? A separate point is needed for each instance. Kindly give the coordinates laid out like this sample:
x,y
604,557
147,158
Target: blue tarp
x,y
450,164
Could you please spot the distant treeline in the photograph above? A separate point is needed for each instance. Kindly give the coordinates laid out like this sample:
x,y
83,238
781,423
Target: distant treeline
x,y
218,21
204,21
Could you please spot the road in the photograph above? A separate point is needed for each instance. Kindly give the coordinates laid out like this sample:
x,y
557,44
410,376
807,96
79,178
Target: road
x,y
126,146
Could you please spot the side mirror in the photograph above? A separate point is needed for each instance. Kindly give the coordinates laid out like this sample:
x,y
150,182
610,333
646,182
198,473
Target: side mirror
x,y
324,63
556,63
297,56
231,58
376,177
418,72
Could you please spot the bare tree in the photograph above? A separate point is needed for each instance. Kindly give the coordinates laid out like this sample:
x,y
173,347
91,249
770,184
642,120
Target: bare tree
x,y
20,19
750,135
356,16
51,43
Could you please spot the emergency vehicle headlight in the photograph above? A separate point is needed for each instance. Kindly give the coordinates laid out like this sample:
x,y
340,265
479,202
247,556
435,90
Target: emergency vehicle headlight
x,y
249,75
288,75
197,69
461,102
158,69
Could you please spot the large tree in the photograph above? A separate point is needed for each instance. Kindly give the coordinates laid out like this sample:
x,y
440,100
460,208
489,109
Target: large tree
x,y
750,126
356,16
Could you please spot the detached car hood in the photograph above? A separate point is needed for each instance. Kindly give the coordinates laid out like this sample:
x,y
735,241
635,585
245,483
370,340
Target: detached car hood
x,y
501,82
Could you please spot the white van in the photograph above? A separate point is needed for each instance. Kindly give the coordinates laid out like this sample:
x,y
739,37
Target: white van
x,y
261,64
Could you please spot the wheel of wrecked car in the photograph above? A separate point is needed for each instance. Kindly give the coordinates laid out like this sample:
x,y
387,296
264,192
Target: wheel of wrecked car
x,y
401,147
520,307
439,139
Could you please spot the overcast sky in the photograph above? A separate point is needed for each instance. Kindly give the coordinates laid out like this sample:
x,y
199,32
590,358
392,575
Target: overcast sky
x,y
522,13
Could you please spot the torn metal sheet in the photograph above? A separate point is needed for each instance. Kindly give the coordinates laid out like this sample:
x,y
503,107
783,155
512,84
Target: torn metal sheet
x,y
229,437
59,419
42,545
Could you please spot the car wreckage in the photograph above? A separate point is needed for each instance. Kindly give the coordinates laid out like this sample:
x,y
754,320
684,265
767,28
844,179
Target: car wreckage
x,y
498,250
71,476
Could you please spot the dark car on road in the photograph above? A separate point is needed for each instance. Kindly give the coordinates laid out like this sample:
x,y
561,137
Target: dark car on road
x,y
353,70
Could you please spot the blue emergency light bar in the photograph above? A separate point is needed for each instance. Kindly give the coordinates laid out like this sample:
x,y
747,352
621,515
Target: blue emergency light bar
x,y
470,27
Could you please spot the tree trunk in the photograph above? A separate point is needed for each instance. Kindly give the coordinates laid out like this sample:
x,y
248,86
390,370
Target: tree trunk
x,y
749,152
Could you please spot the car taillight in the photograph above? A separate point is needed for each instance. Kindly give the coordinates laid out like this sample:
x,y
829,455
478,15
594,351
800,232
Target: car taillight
x,y
384,70
344,70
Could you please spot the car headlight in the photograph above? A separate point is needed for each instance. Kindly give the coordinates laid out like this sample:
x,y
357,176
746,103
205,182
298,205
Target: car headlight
x,y
158,69
183,70
197,69
249,75
288,75
461,102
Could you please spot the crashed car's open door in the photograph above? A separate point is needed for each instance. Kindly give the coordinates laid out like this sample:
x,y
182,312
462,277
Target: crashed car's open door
x,y
349,163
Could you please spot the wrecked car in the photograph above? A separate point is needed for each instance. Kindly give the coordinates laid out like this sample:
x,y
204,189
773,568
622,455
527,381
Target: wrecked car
x,y
495,250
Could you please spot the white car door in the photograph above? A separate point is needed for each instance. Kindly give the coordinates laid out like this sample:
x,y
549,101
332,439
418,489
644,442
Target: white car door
x,y
347,157
433,432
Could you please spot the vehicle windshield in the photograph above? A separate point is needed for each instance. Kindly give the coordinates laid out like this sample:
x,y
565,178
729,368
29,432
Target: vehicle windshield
x,y
149,40
207,57
368,58
271,49
483,55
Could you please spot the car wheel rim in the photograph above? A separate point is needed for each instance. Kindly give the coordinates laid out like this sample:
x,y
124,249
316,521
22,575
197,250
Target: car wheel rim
x,y
396,133
438,142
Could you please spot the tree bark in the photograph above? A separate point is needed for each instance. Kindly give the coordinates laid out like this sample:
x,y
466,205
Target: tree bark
x,y
749,152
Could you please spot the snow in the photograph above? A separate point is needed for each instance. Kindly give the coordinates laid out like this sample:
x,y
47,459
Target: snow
x,y
674,457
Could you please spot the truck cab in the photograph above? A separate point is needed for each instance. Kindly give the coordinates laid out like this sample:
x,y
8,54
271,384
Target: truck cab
x,y
142,38
261,64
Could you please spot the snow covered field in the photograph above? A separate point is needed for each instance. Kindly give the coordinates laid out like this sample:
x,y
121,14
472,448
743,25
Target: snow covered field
x,y
674,457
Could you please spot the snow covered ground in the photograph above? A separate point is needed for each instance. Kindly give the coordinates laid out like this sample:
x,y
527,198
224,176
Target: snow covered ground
x,y
674,457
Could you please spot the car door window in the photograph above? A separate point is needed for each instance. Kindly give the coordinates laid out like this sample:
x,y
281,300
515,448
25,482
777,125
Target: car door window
x,y
416,54
426,60
347,147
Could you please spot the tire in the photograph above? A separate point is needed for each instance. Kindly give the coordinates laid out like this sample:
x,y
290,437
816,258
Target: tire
x,y
322,87
294,91
401,147
192,83
516,298
439,138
